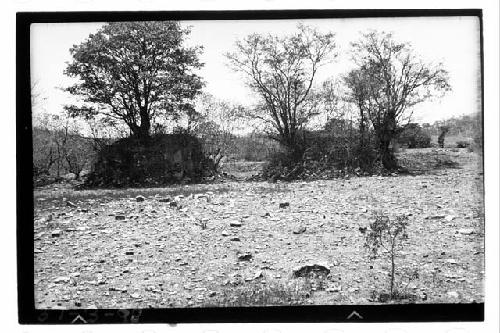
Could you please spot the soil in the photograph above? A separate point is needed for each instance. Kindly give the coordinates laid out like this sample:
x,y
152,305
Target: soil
x,y
107,249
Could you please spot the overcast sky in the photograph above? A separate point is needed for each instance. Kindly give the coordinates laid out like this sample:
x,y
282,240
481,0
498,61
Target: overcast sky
x,y
454,41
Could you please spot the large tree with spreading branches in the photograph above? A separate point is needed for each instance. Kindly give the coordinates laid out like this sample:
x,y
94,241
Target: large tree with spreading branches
x,y
388,81
138,73
281,70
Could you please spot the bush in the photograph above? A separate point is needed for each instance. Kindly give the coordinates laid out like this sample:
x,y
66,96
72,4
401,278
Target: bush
x,y
255,293
389,235
463,144
160,160
325,156
413,136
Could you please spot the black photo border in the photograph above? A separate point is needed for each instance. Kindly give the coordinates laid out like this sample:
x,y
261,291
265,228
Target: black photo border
x,y
24,196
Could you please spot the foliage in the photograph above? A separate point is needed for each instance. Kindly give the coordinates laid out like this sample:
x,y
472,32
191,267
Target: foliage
x,y
465,125
281,70
58,148
389,235
389,79
138,73
413,136
327,155
215,124
162,159
257,294
463,144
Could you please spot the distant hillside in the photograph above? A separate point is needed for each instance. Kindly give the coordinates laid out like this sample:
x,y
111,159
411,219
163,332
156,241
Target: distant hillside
x,y
468,126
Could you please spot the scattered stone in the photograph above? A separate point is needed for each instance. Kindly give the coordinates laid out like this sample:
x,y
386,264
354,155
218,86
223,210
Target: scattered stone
x,y
235,239
119,217
62,279
212,294
78,303
135,295
225,233
140,198
173,204
70,204
334,289
284,204
311,270
235,224
451,261
435,217
56,233
453,294
266,215
352,289
258,275
165,200
299,230
466,231
449,218
129,253
245,256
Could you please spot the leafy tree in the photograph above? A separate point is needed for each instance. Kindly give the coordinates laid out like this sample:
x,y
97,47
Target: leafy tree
x,y
281,70
388,81
138,73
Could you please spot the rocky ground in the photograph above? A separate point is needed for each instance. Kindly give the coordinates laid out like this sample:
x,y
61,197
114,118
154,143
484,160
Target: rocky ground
x,y
238,243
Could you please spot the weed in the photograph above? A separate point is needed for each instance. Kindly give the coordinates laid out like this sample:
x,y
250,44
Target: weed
x,y
389,235
256,293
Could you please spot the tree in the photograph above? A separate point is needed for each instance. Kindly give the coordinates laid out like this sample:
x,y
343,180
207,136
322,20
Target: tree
x,y
59,146
215,123
136,72
281,70
388,81
443,131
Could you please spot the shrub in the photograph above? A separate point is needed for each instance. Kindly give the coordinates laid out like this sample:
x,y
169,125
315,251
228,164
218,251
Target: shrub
x,y
255,293
414,136
159,160
463,144
325,156
390,235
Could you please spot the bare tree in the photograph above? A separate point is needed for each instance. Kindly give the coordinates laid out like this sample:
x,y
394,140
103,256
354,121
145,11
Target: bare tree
x,y
216,123
281,70
389,80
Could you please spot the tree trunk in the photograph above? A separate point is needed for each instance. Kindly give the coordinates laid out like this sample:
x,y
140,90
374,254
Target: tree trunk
x,y
386,155
393,266
143,131
385,135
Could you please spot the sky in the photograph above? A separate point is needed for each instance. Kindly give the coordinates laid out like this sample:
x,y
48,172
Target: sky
x,y
454,41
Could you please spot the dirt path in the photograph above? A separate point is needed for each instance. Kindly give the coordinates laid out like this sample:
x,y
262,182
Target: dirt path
x,y
111,251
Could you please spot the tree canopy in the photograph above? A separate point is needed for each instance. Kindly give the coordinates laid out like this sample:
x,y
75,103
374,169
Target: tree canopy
x,y
388,81
281,70
138,73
